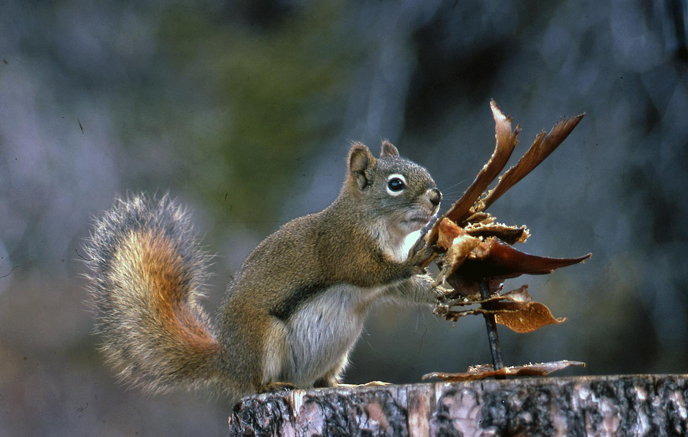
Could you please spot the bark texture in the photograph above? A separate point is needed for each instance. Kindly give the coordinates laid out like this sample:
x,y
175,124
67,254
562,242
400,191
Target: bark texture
x,y
651,405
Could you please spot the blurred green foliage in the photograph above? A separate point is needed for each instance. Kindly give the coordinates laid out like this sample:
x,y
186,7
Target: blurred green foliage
x,y
278,96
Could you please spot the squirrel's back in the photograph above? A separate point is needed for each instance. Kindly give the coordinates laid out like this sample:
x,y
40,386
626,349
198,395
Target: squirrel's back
x,y
147,273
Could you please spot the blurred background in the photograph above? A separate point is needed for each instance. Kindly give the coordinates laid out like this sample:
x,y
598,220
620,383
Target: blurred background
x,y
245,111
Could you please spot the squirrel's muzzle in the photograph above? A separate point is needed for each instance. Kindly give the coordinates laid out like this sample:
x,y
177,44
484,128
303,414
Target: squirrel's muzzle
x,y
435,196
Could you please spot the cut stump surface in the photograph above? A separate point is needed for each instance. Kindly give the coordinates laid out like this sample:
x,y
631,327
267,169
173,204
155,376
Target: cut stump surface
x,y
652,405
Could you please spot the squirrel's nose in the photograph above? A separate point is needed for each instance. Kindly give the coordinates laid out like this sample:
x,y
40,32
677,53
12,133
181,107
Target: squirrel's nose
x,y
435,196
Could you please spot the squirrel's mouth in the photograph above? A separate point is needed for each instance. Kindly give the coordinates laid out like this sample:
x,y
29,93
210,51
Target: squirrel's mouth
x,y
416,220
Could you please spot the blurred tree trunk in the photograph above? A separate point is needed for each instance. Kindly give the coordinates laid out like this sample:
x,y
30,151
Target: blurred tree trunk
x,y
652,405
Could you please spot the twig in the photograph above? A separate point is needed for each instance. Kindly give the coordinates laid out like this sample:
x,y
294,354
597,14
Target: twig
x,y
492,334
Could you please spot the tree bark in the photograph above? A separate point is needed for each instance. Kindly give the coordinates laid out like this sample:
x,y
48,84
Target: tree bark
x,y
652,405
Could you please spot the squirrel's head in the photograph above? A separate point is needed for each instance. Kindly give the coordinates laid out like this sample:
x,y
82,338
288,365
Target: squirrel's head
x,y
399,192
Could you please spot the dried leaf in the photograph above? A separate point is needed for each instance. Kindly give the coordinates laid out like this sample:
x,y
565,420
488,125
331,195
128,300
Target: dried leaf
x,y
459,251
506,140
495,259
480,217
469,288
486,371
456,315
458,245
511,302
448,231
508,234
514,309
541,148
529,318
519,295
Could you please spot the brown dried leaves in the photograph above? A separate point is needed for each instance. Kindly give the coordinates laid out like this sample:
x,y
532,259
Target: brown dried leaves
x,y
483,371
470,259
482,252
541,148
532,316
505,143
514,309
474,251
470,208
474,247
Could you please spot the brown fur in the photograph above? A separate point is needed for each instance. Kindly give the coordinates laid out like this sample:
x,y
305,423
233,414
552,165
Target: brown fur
x,y
160,268
296,306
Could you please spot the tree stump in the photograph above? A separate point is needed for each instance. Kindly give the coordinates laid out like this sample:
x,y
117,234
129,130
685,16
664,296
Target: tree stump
x,y
651,405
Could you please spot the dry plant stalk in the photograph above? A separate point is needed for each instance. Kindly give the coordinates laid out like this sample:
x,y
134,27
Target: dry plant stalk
x,y
475,253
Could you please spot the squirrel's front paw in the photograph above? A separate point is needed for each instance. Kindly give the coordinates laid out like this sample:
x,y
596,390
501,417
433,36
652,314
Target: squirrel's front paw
x,y
437,289
420,257
441,291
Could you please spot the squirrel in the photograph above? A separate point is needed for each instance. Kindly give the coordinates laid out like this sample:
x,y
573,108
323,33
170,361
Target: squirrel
x,y
294,311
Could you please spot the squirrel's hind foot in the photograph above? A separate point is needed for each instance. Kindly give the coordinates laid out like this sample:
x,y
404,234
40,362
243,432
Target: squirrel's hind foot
x,y
277,387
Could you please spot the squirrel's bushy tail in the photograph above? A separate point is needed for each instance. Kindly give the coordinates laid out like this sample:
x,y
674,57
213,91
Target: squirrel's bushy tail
x,y
147,273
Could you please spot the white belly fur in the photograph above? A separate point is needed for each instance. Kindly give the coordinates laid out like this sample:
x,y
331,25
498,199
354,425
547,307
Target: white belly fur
x,y
320,335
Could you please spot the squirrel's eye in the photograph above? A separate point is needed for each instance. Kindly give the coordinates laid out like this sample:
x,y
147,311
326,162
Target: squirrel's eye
x,y
395,185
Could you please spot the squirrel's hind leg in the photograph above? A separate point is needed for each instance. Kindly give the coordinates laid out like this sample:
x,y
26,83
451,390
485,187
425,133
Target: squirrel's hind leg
x,y
332,378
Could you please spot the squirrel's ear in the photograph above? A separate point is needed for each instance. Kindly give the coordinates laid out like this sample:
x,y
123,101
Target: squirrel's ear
x,y
360,162
388,149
